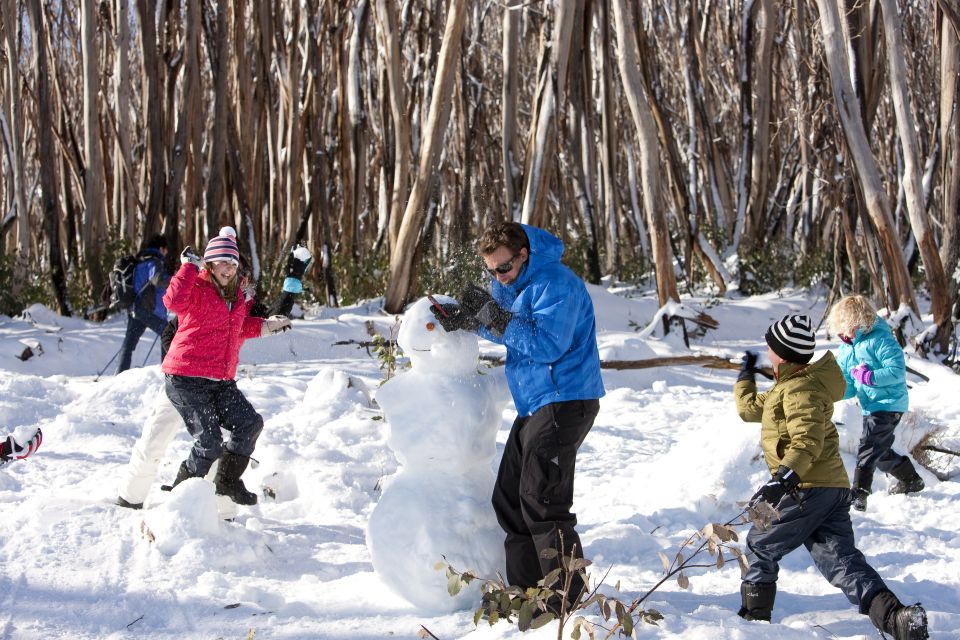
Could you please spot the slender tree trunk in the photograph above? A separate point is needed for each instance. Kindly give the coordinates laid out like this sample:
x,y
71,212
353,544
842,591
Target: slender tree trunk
x,y
125,185
386,18
93,194
906,127
608,142
153,105
628,59
45,149
950,143
868,175
217,161
15,132
403,270
509,144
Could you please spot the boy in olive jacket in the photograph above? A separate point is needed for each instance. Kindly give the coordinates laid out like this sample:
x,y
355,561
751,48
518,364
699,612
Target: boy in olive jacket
x,y
809,486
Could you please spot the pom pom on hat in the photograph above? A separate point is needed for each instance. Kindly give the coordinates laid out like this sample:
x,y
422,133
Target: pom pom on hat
x,y
792,338
223,247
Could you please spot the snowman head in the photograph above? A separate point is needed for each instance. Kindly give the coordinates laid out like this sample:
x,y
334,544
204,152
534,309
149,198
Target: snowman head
x,y
430,348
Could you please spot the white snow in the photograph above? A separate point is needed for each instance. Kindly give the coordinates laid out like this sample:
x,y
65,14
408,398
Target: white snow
x,y
666,456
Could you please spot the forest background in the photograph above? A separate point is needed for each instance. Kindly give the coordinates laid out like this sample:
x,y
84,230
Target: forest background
x,y
717,145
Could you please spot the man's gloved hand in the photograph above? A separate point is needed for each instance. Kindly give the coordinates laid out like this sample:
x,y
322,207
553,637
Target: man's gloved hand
x,y
189,256
862,374
452,317
494,317
472,298
297,263
274,325
784,481
748,367
10,449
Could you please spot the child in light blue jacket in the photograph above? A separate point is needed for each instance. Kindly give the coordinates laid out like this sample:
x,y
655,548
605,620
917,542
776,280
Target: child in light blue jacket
x,y
873,364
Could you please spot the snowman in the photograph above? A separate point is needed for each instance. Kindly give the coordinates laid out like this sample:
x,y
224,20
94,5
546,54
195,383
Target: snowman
x,y
443,415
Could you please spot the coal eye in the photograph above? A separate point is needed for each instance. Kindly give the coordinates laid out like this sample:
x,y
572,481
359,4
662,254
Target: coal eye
x,y
431,326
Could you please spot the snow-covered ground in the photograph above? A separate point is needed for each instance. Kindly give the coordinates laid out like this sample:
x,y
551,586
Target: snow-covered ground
x,y
666,456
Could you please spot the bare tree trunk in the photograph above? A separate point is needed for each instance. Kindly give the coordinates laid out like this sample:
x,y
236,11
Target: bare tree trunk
x,y
554,53
761,92
386,18
93,193
125,186
45,149
509,145
868,175
217,161
403,270
608,142
906,126
950,142
153,105
628,59
745,166
15,132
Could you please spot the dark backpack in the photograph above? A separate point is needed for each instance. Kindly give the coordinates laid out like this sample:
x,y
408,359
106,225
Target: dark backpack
x,y
122,293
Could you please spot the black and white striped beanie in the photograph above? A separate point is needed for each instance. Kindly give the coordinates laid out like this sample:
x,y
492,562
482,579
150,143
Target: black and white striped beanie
x,y
792,338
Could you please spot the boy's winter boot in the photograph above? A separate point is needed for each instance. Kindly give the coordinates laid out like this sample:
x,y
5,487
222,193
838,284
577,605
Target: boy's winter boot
x,y
902,622
908,479
182,474
862,481
757,600
228,479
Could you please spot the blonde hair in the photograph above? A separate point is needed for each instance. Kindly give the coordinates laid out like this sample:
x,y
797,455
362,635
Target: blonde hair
x,y
851,313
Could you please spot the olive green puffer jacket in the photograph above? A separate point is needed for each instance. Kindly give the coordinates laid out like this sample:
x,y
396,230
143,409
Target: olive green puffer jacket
x,y
795,413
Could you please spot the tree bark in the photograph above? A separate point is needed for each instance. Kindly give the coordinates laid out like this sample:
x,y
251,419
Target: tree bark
x,y
403,270
868,176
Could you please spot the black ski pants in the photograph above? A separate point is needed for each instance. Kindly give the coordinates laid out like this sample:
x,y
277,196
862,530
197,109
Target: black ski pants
x,y
534,489
876,442
823,526
136,327
207,406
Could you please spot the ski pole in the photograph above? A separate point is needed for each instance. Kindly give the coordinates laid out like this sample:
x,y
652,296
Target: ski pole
x,y
100,373
152,345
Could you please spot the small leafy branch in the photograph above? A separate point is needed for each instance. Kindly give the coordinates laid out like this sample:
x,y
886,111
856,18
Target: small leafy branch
x,y
537,606
387,351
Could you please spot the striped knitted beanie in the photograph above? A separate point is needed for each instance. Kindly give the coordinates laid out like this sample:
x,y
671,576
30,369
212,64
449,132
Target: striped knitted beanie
x,y
792,338
223,248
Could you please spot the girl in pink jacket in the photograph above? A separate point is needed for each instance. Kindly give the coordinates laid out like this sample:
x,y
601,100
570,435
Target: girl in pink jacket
x,y
213,303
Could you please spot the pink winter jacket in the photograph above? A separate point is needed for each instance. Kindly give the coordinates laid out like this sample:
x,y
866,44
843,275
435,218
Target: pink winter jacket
x,y
208,340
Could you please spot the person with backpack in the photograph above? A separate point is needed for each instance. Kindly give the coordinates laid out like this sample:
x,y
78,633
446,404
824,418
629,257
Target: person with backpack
x,y
873,364
163,422
808,492
142,290
213,305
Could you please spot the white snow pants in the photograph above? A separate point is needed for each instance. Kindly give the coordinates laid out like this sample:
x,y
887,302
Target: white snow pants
x,y
158,431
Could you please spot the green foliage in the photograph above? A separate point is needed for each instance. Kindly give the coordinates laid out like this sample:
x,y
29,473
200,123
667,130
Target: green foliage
x,y
33,287
814,269
360,279
451,274
764,268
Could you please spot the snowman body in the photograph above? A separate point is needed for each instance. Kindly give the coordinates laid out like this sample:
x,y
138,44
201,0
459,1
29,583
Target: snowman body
x,y
443,417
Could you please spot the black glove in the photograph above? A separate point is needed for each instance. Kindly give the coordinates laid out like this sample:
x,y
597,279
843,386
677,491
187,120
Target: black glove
x,y
452,317
473,297
784,481
494,317
748,367
295,266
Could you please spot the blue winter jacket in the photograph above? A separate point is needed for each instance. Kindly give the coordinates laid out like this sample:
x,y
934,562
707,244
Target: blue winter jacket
x,y
551,341
879,349
150,266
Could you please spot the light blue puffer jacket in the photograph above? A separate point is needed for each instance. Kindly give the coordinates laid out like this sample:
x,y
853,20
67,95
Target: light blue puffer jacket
x,y
551,341
883,354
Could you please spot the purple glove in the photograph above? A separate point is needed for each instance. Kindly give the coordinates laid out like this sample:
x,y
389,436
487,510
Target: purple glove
x,y
862,374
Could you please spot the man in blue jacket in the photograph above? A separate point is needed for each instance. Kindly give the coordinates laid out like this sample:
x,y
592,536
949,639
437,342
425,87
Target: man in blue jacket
x,y
541,311
150,280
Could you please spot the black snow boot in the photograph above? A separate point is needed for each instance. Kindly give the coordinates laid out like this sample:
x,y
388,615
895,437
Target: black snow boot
x,y
903,622
908,479
128,505
183,473
228,479
757,600
862,481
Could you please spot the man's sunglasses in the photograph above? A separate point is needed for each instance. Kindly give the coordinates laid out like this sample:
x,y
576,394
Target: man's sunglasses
x,y
505,267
